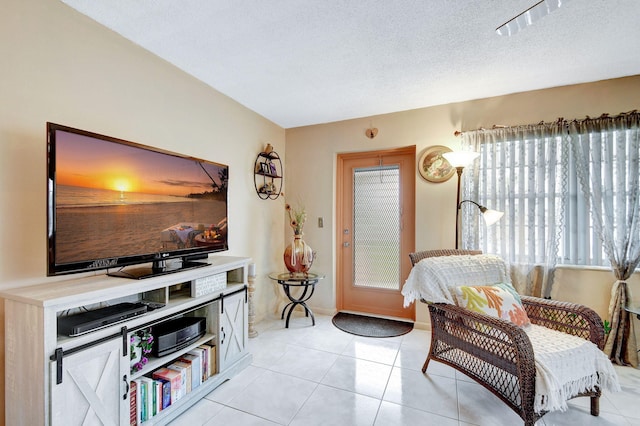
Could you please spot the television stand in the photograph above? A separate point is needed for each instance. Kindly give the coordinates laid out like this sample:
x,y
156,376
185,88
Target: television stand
x,y
163,268
54,379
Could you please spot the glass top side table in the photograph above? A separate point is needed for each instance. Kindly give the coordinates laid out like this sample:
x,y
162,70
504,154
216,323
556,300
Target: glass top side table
x,y
306,281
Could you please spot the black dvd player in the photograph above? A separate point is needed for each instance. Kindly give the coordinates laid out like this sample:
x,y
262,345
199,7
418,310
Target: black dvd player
x,y
84,322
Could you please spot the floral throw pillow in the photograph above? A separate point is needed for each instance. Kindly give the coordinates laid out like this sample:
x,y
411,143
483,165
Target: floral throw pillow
x,y
497,300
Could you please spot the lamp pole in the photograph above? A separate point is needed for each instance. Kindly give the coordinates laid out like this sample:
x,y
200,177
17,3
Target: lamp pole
x,y
459,159
459,171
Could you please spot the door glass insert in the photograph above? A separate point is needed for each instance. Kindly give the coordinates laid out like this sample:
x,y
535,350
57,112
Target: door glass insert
x,y
376,227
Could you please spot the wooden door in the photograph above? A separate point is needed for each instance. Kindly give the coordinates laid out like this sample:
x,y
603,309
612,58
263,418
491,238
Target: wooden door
x,y
94,387
375,230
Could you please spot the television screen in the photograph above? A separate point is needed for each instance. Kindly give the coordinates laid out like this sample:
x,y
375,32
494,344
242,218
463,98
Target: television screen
x,y
113,203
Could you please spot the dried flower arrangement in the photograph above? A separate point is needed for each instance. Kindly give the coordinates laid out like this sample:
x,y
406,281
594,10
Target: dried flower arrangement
x,y
296,218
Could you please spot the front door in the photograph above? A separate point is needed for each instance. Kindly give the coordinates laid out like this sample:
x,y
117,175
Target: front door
x,y
376,230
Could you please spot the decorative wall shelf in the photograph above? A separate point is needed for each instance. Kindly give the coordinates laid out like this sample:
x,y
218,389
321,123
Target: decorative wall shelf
x,y
268,175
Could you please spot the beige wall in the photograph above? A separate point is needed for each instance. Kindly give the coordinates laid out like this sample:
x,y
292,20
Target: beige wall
x,y
62,67
591,287
59,66
312,150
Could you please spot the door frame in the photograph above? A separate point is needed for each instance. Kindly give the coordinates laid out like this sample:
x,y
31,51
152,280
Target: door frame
x,y
408,243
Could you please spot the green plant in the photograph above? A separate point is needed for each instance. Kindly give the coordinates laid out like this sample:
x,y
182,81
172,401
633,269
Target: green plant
x,y
607,327
142,339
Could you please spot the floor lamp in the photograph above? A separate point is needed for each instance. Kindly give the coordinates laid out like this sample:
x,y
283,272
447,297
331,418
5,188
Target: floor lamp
x,y
459,160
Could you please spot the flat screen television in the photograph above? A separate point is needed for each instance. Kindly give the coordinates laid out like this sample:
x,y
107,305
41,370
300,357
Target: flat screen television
x,y
112,203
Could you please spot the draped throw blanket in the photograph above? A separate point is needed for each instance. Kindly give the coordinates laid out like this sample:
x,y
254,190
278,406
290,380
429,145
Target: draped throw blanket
x,y
435,280
566,366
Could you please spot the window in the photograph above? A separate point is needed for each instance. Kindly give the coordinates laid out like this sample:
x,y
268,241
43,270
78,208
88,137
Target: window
x,y
533,179
532,174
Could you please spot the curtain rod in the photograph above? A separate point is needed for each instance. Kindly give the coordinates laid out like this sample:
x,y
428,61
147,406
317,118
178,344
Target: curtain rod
x,y
559,120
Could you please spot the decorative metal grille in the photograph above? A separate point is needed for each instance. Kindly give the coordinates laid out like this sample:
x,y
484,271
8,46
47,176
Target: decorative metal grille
x,y
376,227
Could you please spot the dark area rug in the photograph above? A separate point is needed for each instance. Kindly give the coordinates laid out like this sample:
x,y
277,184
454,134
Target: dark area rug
x,y
370,326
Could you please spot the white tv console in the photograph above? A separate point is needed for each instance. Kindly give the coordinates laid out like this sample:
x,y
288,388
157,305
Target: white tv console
x,y
51,379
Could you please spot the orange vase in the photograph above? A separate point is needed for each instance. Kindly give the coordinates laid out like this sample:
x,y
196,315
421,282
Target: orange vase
x,y
298,256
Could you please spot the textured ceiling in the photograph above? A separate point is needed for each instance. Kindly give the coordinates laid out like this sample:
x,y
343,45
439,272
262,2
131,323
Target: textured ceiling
x,y
302,62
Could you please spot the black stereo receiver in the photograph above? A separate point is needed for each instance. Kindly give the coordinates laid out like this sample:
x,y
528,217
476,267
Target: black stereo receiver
x,y
177,333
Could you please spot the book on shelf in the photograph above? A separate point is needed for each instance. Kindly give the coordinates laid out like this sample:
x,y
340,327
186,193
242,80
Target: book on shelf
x,y
205,356
212,358
148,386
142,401
157,396
204,369
166,393
134,417
175,382
196,366
211,349
185,373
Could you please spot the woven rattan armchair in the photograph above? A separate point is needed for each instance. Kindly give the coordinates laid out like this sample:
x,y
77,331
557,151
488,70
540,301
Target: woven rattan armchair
x,y
498,354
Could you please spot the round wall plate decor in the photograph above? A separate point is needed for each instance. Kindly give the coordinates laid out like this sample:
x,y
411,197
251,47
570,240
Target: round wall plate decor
x,y
433,166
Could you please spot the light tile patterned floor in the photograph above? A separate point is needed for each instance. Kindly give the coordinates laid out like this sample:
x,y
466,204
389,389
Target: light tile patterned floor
x,y
305,376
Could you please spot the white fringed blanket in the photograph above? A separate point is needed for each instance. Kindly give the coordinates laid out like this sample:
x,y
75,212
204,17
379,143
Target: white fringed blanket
x,y
434,279
565,365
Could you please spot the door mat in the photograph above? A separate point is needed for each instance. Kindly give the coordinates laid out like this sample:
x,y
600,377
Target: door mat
x,y
370,326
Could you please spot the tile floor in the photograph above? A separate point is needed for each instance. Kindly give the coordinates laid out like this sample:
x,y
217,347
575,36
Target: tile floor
x,y
320,375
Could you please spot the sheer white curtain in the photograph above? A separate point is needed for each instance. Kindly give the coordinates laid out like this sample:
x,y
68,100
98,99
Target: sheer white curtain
x,y
607,154
522,171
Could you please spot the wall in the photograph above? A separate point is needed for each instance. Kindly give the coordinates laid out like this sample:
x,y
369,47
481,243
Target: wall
x,y
592,287
60,66
312,151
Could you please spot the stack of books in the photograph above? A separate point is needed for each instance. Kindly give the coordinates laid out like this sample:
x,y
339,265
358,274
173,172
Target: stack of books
x,y
156,391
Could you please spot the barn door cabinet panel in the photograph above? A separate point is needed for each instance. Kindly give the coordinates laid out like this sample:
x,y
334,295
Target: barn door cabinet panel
x,y
233,330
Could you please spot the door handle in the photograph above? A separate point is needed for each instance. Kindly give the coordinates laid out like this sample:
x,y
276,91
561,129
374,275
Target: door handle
x,y
126,387
346,244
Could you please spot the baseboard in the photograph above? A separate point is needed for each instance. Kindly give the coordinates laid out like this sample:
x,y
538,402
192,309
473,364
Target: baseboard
x,y
324,311
422,326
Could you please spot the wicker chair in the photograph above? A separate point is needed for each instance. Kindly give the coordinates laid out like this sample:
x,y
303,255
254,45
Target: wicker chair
x,y
498,354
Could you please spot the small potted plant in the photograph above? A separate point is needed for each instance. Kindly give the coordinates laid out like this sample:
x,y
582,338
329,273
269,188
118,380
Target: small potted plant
x,y
607,327
140,345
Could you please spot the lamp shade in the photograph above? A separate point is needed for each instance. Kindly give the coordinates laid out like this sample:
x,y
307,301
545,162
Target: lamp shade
x,y
460,158
491,216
